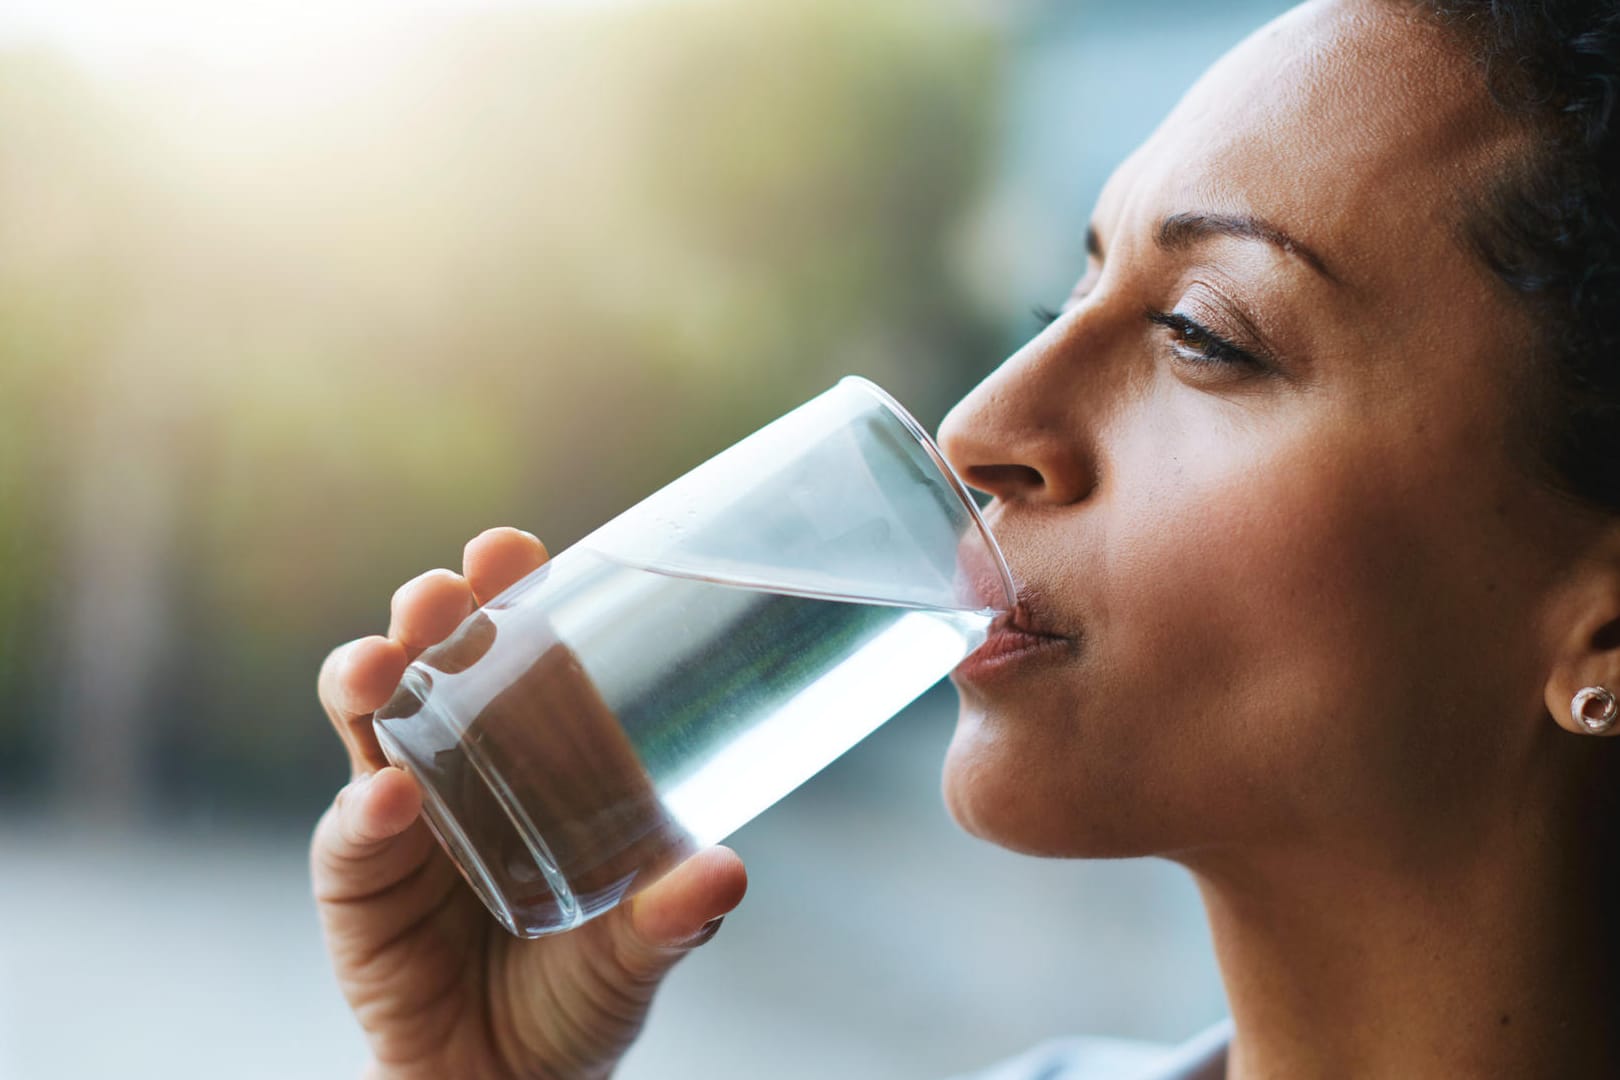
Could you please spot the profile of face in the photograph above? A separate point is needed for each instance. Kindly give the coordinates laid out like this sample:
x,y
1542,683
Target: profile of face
x,y
1264,478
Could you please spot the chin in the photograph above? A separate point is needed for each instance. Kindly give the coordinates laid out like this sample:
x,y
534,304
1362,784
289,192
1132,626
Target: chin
x,y
988,790
1016,793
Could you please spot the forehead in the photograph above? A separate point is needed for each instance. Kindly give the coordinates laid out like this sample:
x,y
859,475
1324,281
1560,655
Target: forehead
x,y
1362,129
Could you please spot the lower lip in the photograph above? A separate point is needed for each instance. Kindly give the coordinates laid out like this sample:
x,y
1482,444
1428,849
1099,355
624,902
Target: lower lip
x,y
1003,652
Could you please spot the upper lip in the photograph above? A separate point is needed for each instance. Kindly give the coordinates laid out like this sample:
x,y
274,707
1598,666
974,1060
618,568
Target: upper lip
x,y
1025,618
1028,615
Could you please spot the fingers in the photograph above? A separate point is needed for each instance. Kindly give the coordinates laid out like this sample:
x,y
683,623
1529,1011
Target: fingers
x,y
358,678
365,844
496,558
367,813
682,910
427,608
354,682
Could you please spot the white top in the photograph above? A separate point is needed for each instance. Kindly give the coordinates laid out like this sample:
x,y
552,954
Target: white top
x,y
1201,1058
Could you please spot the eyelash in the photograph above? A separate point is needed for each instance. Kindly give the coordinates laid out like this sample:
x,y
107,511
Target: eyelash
x,y
1213,349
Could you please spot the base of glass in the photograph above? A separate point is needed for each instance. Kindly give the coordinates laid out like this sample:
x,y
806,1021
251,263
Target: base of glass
x,y
530,900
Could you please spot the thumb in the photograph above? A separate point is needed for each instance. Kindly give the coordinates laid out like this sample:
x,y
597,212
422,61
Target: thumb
x,y
680,911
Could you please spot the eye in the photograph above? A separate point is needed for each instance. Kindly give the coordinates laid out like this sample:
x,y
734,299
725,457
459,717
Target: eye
x,y
1046,316
1195,343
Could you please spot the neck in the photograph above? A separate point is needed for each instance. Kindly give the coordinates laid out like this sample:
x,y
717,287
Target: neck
x,y
1483,953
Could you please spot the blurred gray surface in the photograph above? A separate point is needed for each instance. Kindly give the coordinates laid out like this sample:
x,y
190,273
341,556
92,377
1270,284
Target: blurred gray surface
x,y
877,941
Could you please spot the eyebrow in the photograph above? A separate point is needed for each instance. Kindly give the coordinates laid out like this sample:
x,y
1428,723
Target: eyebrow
x,y
1182,230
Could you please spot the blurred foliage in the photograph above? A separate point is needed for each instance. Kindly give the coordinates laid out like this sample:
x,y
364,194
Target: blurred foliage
x,y
263,358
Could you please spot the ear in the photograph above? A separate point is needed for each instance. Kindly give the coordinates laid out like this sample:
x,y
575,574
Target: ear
x,y
1587,654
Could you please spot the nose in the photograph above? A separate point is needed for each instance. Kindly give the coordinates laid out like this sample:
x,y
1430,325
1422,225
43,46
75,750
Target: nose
x,y
1019,435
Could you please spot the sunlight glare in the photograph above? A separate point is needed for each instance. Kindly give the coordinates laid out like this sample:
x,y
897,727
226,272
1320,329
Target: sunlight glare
x,y
253,50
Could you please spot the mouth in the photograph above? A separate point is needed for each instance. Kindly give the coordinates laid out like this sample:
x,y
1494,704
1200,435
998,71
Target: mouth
x,y
1016,640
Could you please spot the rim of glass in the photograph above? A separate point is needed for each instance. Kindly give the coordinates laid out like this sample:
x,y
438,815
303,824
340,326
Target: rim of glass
x,y
920,433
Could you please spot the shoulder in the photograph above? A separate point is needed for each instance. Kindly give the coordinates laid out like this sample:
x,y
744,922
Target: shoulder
x,y
1202,1058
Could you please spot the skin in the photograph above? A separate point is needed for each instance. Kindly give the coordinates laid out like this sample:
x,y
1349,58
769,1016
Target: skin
x,y
1313,622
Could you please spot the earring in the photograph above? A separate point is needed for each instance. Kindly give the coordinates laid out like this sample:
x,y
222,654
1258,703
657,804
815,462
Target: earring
x,y
1580,709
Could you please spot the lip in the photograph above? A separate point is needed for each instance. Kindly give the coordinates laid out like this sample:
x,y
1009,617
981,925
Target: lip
x,y
1015,641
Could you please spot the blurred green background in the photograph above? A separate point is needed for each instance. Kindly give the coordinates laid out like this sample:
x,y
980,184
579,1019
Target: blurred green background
x,y
294,299
272,348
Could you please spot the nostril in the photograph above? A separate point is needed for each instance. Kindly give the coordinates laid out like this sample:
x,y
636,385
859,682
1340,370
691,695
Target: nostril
x,y
1005,481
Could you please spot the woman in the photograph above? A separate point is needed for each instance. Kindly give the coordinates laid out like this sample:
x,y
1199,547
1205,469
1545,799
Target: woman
x,y
1312,490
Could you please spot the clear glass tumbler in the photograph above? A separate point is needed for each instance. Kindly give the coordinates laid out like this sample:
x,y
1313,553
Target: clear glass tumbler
x,y
657,685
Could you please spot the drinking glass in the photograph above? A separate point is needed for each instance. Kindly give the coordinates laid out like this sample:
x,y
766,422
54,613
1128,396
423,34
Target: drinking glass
x,y
658,684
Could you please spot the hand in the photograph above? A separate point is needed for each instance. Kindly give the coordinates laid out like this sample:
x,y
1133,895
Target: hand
x,y
440,989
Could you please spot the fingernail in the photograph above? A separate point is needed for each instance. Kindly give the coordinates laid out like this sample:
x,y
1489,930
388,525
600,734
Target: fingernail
x,y
345,675
705,932
347,671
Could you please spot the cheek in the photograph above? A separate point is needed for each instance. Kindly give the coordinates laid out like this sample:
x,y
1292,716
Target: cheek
x,y
1231,575
1285,617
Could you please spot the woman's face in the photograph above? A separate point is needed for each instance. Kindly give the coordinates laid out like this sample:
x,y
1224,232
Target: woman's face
x,y
1262,475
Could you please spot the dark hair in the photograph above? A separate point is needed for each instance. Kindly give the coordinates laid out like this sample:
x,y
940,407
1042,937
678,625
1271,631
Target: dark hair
x,y
1551,228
